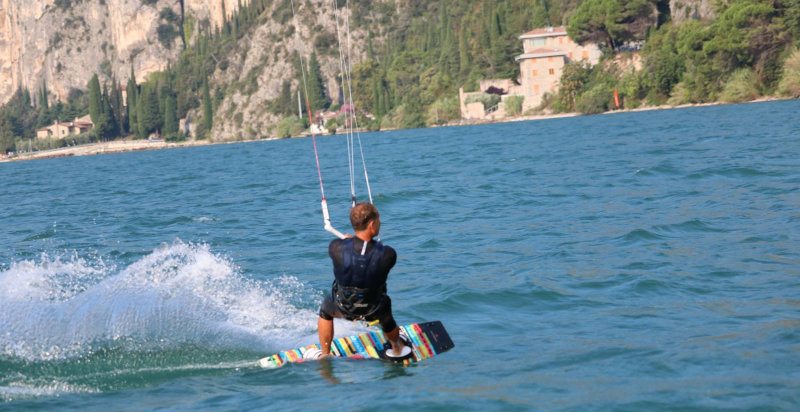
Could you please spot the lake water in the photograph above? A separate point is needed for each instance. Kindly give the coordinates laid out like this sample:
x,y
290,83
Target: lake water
x,y
635,261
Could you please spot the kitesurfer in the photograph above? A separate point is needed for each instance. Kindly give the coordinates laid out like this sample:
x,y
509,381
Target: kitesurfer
x,y
361,266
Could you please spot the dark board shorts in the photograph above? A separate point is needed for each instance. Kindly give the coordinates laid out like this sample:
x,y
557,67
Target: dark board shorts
x,y
329,310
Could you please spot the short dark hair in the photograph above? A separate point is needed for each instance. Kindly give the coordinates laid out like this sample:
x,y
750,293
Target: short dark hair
x,y
361,214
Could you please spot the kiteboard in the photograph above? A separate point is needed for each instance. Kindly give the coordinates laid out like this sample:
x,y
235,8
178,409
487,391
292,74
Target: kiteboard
x,y
428,340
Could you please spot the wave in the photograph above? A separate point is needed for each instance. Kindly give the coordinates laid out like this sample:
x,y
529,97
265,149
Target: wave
x,y
76,321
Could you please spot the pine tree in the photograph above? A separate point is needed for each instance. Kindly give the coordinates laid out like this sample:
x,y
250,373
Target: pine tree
x,y
541,16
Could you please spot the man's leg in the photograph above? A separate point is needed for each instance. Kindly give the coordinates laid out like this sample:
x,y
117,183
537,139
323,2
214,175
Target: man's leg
x,y
325,332
395,341
390,328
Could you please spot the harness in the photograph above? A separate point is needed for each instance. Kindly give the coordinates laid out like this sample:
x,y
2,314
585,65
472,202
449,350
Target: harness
x,y
358,291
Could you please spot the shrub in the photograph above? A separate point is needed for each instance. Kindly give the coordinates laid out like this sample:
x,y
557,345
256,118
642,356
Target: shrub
x,y
680,95
331,125
488,100
289,126
444,110
789,85
513,105
166,34
595,100
741,87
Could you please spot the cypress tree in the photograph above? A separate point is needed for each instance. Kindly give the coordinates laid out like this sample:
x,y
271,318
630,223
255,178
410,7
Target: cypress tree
x,y
207,111
95,102
283,105
132,92
107,126
44,95
171,117
376,98
116,104
148,115
463,51
316,87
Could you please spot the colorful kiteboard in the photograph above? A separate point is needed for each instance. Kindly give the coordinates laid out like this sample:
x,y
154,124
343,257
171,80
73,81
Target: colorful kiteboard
x,y
429,339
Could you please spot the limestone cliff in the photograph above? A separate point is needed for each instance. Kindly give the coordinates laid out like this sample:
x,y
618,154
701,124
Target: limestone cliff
x,y
266,54
683,10
64,42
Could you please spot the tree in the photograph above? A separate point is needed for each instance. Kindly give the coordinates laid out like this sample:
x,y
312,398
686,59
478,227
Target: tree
x,y
7,139
132,92
106,127
95,102
464,58
541,17
573,79
120,115
612,22
100,110
43,96
147,112
171,126
365,78
208,113
316,86
663,65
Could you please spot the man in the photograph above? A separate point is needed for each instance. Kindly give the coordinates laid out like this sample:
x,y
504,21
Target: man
x,y
361,266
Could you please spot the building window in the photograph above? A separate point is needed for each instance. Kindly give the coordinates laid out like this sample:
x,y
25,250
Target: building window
x,y
585,54
560,40
535,73
538,42
552,71
550,59
570,55
535,89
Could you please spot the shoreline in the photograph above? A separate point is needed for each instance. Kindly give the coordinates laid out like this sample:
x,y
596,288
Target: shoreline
x,y
122,146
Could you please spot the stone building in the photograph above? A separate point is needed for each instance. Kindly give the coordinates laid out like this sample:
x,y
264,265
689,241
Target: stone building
x,y
60,130
545,52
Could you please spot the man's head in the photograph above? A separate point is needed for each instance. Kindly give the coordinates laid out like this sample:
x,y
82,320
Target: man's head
x,y
362,214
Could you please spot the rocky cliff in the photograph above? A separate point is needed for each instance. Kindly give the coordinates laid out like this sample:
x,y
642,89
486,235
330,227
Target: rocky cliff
x,y
64,42
683,10
265,56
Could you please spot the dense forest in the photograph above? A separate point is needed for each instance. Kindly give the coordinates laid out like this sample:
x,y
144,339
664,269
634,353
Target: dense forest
x,y
421,52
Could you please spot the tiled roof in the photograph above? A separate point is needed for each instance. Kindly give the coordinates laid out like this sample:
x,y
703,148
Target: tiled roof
x,y
545,32
541,52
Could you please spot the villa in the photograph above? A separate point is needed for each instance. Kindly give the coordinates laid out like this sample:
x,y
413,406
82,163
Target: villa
x,y
60,130
545,52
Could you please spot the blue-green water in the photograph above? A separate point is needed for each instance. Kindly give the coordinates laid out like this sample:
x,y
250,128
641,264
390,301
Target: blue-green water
x,y
639,261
